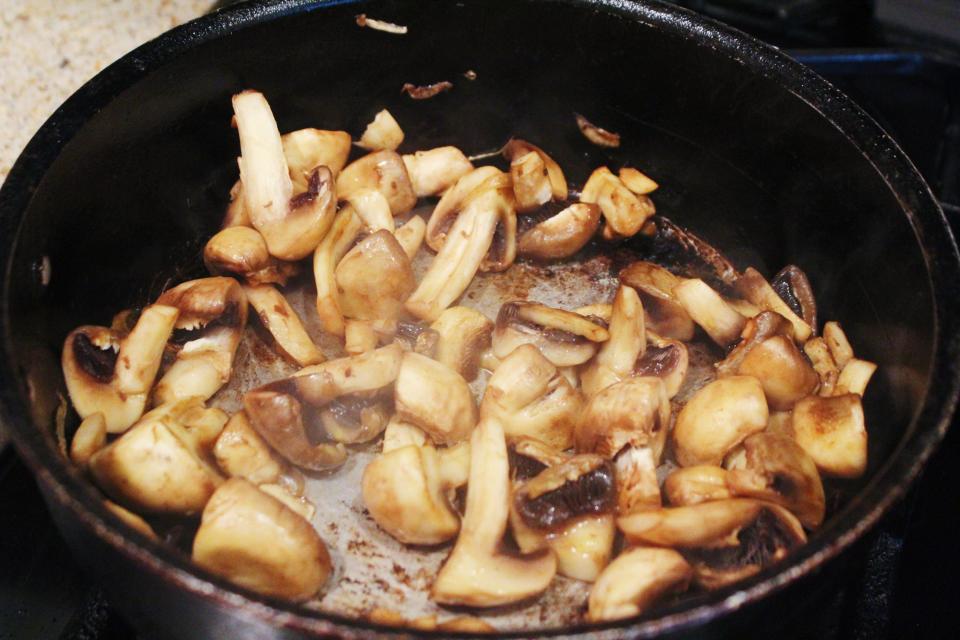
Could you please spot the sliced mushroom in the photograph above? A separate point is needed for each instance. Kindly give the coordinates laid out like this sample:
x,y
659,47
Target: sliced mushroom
x,y
435,398
90,437
436,170
755,288
532,399
838,344
624,211
474,232
373,208
819,355
693,485
240,452
477,573
374,279
516,148
355,419
255,541
757,329
636,475
113,376
529,456
564,337
305,149
243,251
833,432
561,235
666,359
583,547
793,287
784,372
635,581
283,323
382,133
531,182
663,313
383,171
633,412
236,214
346,227
710,311
320,384
452,202
718,418
410,236
157,466
292,225
359,337
213,314
463,334
637,181
777,469
628,340
855,377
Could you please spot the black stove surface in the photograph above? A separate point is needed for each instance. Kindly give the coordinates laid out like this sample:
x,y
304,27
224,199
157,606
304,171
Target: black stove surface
x,y
901,581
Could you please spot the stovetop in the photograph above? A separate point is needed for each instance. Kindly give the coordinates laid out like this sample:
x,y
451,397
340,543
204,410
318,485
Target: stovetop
x,y
902,580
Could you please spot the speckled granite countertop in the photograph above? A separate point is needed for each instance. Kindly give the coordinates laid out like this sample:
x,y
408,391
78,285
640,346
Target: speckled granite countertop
x,y
48,48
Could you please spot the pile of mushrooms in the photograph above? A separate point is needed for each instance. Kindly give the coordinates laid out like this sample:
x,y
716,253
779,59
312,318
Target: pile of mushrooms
x,y
589,453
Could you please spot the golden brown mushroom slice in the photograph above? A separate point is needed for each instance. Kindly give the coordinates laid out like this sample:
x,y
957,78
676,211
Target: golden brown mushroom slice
x,y
213,314
784,372
283,323
382,171
666,359
709,310
565,338
757,329
435,398
292,225
383,132
435,170
242,251
113,376
693,485
624,211
477,573
255,541
531,182
635,581
463,334
90,437
240,452
617,357
561,235
451,204
635,412
663,314
346,227
636,475
517,148
755,288
833,432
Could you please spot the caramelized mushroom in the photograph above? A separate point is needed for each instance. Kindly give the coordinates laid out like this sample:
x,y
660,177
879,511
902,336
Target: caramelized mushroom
x,y
710,311
833,432
624,211
637,181
636,475
436,170
784,372
635,581
793,287
564,337
693,485
243,251
240,452
283,323
561,235
382,133
463,334
516,148
435,398
663,314
627,342
452,202
581,485
305,149
635,412
855,376
754,287
383,171
664,359
531,182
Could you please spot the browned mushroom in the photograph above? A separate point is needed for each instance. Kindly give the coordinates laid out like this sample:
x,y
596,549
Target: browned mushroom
x,y
635,411
436,170
346,227
283,323
784,372
663,313
833,432
382,133
561,235
243,251
757,329
617,356
666,359
635,581
531,182
624,211
696,484
451,204
755,288
564,337
435,398
382,171
792,285
516,148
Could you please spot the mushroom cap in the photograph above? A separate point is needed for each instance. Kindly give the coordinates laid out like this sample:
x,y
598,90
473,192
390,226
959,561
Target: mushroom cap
x,y
306,149
383,171
531,182
635,411
833,432
565,338
582,485
666,359
561,235
463,335
783,371
435,170
241,452
435,398
634,581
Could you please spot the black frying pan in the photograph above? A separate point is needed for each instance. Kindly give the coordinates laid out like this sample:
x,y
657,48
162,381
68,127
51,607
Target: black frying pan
x,y
120,188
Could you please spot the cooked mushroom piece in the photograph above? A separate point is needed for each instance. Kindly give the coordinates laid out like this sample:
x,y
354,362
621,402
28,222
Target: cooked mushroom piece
x,y
755,288
435,398
634,581
476,573
759,328
624,211
355,419
451,204
532,399
373,209
158,465
283,323
410,235
784,372
710,311
90,437
292,225
236,214
777,469
718,418
838,344
833,432
636,475
531,182
516,148
383,171
819,355
405,490
581,485
240,452
564,337
633,412
793,287
243,251
382,133
855,376
253,540
529,456
617,356
402,434
583,547
131,519
561,235
113,376
346,227
436,170
666,359
637,181
358,337
663,314
693,485
305,149
462,335
213,314
298,504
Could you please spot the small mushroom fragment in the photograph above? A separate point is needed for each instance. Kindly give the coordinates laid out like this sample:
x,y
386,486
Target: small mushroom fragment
x,y
436,170
693,485
359,337
240,452
833,432
663,314
777,469
410,235
565,338
213,314
757,329
636,479
793,287
476,573
718,418
487,222
292,225
529,456
402,434
452,202
666,359
113,376
583,547
531,399
435,398
634,581
838,344
373,281
463,334
517,148
710,311
617,356
383,171
624,211
405,490
243,251
855,376
597,135
637,181
633,412
255,541
755,288
90,437
283,323
346,227
819,355
784,372
425,91
561,235
382,133
531,182
373,209
158,466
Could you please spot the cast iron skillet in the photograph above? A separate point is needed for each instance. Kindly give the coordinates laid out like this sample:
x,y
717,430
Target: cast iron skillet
x,y
119,189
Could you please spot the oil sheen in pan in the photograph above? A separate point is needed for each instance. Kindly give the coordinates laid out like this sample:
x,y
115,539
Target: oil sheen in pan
x,y
371,569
